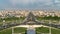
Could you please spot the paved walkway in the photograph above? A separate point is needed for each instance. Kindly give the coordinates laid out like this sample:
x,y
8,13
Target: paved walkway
x,y
27,26
34,26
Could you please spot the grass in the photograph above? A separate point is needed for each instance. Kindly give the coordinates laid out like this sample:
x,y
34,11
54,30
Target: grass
x,y
19,30
22,30
46,30
55,31
16,30
7,31
42,30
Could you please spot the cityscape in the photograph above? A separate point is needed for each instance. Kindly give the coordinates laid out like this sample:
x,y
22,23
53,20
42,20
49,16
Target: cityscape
x,y
30,21
29,16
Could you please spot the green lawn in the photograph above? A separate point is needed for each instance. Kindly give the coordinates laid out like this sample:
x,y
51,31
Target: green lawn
x,y
23,30
42,30
7,31
46,30
16,30
55,31
19,30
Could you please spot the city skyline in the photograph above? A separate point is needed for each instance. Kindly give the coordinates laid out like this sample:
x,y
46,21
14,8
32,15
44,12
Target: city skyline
x,y
30,4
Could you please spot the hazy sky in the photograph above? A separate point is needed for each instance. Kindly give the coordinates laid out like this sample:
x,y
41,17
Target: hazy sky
x,y
30,4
